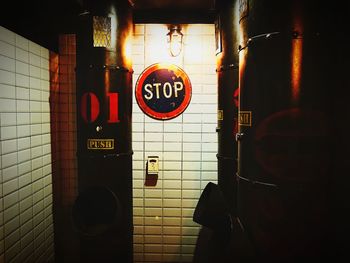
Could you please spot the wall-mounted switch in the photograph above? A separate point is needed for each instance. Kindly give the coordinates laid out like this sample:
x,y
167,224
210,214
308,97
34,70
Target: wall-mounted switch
x,y
152,165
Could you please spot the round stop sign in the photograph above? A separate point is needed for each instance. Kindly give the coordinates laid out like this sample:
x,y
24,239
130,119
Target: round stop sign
x,y
163,91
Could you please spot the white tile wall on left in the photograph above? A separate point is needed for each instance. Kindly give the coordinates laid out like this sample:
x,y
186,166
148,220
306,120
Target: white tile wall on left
x,y
25,219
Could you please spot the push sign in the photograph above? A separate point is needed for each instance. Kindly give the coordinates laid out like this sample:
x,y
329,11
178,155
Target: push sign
x,y
163,91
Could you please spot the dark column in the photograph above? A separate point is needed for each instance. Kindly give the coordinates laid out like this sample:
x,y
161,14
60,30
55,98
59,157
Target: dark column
x,y
285,128
102,213
227,72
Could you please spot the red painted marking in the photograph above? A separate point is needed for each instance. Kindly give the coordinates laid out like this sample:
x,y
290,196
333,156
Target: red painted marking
x,y
89,101
113,108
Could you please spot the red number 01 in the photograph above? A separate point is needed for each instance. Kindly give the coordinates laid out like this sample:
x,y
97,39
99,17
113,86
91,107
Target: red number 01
x,y
90,107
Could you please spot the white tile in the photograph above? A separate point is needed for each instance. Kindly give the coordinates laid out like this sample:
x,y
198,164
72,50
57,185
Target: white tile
x,y
7,35
8,119
209,156
11,226
191,194
22,106
153,212
153,137
48,201
153,146
209,137
7,77
35,106
38,207
35,140
22,42
192,118
45,85
34,71
7,49
172,137
22,55
12,245
172,156
153,127
10,186
47,168
172,165
7,63
192,137
172,146
48,180
35,94
25,179
153,202
209,147
191,185
23,155
46,138
191,127
48,190
192,147
37,163
23,131
7,91
193,231
9,146
172,175
45,74
8,133
7,105
209,108
171,221
34,83
209,127
44,63
36,152
22,68
22,93
34,60
209,166
172,184
9,173
153,193
35,117
22,81
191,156
195,174
173,212
11,199
35,129
209,89
37,188
45,96
34,48
11,212
47,159
25,222
25,192
45,117
171,203
138,193
209,176
45,106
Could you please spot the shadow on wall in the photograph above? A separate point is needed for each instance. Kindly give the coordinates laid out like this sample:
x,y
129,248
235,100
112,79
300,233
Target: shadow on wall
x,y
63,143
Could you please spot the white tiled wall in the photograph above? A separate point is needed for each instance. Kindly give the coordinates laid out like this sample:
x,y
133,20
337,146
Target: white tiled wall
x,y
26,226
186,146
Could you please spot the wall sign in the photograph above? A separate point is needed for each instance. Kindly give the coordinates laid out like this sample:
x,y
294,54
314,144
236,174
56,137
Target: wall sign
x,y
163,91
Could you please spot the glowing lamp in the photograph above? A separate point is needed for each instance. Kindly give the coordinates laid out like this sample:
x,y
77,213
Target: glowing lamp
x,y
174,38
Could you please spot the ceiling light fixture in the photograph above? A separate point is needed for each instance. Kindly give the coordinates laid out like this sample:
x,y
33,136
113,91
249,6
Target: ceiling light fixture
x,y
174,38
